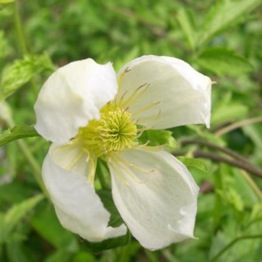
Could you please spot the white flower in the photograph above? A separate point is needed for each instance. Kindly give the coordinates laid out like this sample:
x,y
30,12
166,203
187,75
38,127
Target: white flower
x,y
89,112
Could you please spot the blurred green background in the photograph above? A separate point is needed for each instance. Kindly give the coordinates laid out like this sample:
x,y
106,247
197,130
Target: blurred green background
x,y
222,39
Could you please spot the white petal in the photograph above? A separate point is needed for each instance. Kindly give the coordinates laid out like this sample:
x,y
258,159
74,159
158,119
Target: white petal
x,y
164,92
77,206
155,195
71,97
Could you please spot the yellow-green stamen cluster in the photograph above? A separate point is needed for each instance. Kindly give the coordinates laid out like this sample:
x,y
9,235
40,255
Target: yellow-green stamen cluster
x,y
115,131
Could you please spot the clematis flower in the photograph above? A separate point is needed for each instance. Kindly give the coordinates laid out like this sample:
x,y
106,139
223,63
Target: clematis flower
x,y
89,112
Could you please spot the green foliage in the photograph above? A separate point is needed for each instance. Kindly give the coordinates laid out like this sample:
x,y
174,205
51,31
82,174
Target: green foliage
x,y
223,15
222,61
158,138
17,132
21,72
14,216
6,1
222,39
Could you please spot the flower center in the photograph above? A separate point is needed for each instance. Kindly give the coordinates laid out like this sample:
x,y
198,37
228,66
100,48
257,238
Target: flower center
x,y
113,132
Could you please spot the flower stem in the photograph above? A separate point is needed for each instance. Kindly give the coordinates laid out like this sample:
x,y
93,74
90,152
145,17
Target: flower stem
x,y
101,169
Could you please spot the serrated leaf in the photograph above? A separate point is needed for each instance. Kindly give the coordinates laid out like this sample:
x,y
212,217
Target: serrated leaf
x,y
21,72
15,214
193,162
223,15
222,61
17,132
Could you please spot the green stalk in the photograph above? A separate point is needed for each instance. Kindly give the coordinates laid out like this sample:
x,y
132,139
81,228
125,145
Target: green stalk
x,y
19,30
37,173
101,169
252,184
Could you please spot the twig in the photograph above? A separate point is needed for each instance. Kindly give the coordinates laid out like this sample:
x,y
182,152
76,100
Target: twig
x,y
214,146
233,126
233,162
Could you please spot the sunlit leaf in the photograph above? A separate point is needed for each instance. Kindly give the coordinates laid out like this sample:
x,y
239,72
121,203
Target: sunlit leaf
x,y
21,72
193,162
222,15
222,61
6,1
158,138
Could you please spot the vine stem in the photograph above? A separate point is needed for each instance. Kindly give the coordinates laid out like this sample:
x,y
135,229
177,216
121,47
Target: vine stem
x,y
236,160
232,243
214,146
242,165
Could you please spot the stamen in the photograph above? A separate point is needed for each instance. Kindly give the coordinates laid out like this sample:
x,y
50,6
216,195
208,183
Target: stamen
x,y
150,119
138,92
114,132
145,108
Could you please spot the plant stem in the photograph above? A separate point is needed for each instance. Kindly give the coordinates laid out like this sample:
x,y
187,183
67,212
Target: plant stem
x,y
101,169
37,173
234,126
232,243
19,30
252,184
214,146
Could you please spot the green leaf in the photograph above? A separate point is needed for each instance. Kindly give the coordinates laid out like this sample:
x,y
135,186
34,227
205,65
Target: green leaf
x,y
15,214
109,243
223,15
228,109
158,138
82,256
193,162
187,27
45,222
115,220
21,72
60,255
6,1
17,132
223,61
15,252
